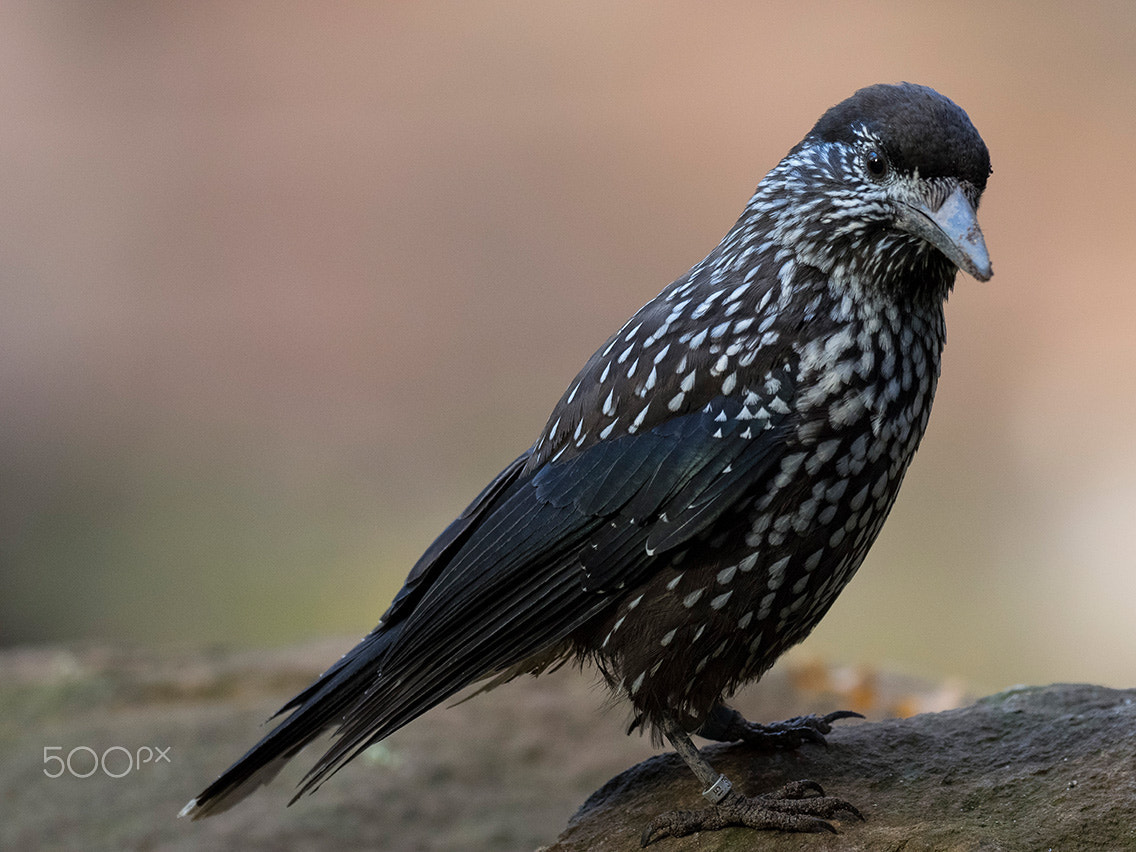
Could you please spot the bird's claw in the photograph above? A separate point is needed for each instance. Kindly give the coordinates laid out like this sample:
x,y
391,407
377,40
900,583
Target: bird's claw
x,y
793,732
799,806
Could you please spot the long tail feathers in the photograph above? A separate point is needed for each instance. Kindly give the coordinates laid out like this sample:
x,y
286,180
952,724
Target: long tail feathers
x,y
318,708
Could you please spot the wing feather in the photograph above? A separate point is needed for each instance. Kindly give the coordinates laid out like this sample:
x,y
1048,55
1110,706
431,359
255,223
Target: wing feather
x,y
534,558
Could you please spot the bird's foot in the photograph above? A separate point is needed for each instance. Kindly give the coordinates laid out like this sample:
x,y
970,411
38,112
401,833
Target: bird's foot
x,y
798,806
727,725
793,732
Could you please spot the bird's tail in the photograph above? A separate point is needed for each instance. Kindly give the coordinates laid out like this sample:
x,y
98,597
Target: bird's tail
x,y
313,711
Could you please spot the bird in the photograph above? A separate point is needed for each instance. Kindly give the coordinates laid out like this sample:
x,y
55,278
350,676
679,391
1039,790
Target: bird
x,y
707,484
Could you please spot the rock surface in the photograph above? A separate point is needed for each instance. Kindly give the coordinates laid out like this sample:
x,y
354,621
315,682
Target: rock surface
x,y
1032,769
1048,768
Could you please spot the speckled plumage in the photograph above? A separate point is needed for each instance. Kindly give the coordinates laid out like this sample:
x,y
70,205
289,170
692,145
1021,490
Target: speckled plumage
x,y
717,471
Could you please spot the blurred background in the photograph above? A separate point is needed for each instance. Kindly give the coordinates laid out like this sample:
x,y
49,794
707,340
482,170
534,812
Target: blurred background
x,y
282,286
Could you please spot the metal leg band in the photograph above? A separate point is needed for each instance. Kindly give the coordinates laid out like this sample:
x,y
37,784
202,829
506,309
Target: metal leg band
x,y
718,790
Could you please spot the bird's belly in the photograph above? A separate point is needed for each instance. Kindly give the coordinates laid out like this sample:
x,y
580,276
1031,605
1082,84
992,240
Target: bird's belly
x,y
719,612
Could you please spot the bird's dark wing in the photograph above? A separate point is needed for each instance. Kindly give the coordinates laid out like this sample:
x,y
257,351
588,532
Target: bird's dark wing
x,y
544,556
533,558
438,554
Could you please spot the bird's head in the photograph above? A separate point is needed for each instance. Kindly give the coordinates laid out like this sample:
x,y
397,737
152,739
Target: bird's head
x,y
884,187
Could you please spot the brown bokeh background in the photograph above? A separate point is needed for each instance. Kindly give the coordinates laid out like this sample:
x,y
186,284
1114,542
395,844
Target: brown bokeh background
x,y
281,286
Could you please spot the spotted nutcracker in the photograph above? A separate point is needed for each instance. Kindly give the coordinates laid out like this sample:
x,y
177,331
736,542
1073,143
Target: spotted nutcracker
x,y
711,479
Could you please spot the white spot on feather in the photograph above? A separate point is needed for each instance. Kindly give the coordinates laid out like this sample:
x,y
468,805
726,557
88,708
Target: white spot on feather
x,y
720,600
609,403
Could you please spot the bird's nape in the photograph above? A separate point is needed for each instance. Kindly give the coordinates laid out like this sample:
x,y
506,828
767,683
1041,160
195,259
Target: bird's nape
x,y
711,479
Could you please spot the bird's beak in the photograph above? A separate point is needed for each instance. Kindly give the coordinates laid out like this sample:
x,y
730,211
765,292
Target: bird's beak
x,y
952,229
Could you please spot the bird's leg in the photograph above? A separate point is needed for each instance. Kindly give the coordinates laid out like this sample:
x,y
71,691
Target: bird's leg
x,y
797,806
726,725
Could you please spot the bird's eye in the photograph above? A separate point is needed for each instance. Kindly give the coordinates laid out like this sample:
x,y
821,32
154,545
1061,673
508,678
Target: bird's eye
x,y
877,163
